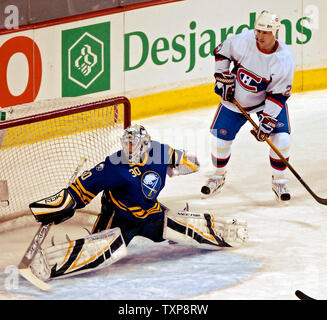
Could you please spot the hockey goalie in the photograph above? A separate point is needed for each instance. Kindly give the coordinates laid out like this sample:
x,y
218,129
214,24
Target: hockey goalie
x,y
130,181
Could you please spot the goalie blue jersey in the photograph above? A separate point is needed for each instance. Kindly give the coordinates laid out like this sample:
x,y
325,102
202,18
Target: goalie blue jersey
x,y
133,188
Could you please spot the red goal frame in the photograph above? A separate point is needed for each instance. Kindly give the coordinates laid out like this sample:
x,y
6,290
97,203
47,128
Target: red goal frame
x,y
71,110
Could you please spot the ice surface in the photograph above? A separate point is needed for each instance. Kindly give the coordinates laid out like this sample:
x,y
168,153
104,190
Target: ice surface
x,y
287,242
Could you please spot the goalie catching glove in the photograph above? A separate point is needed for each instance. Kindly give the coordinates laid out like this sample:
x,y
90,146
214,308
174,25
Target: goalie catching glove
x,y
54,209
183,164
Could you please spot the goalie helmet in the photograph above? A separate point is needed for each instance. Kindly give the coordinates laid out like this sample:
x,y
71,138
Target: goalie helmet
x,y
135,142
267,21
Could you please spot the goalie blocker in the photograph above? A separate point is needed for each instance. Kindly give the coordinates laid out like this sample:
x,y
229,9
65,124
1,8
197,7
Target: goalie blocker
x,y
56,208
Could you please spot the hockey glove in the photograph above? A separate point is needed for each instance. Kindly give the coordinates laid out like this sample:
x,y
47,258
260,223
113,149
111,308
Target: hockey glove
x,y
225,86
266,125
56,208
186,164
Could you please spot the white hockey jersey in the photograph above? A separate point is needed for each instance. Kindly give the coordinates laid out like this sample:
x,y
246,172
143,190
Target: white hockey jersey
x,y
261,79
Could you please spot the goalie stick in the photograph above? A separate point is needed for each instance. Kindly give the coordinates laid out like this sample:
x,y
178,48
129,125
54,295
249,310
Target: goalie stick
x,y
298,177
24,265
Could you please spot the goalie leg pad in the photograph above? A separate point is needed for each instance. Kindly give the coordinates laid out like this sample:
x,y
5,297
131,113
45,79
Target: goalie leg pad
x,y
204,230
92,252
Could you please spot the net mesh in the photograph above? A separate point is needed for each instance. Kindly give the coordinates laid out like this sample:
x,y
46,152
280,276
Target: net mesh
x,y
38,158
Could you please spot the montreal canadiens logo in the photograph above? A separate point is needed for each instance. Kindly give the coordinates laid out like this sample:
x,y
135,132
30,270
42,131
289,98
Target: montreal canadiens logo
x,y
249,80
151,182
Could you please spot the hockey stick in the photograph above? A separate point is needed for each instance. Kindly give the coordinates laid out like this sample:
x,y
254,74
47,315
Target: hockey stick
x,y
302,296
24,265
272,146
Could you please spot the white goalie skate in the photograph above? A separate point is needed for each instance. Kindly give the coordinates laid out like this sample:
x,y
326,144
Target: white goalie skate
x,y
280,189
213,185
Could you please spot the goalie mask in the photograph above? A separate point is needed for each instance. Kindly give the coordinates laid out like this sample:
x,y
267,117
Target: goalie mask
x,y
135,142
267,21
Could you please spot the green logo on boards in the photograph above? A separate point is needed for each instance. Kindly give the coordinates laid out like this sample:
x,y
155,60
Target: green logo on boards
x,y
86,60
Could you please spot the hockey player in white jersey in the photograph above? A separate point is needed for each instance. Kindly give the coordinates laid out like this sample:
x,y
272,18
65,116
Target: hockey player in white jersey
x,y
257,70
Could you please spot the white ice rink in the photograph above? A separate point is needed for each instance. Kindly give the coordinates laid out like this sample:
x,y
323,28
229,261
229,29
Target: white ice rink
x,y
287,242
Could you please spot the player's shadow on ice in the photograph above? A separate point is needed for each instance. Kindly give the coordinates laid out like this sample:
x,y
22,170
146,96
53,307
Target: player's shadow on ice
x,y
143,256
162,253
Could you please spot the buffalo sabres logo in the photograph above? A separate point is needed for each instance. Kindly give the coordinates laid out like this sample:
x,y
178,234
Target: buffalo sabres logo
x,y
151,182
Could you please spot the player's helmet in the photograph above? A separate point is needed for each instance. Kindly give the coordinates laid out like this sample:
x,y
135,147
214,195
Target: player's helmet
x,y
267,21
135,142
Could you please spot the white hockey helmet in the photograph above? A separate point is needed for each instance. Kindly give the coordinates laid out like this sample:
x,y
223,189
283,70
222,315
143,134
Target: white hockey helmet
x,y
135,142
267,21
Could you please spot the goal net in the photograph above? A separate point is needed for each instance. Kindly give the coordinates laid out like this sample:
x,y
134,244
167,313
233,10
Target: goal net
x,y
42,143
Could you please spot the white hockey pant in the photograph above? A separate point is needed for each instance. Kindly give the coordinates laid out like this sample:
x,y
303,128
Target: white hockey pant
x,y
92,252
204,230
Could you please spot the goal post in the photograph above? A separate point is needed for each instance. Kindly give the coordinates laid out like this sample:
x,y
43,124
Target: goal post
x,y
42,143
